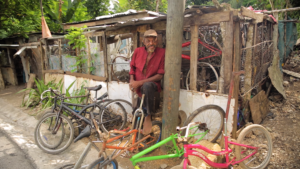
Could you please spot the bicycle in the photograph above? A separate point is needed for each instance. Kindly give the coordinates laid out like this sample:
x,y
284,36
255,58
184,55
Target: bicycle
x,y
55,131
136,140
246,146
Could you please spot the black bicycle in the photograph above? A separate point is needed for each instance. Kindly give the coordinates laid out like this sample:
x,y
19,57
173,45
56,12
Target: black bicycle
x,y
54,132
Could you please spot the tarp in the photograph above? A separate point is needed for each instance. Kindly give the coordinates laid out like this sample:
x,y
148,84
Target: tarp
x,y
291,39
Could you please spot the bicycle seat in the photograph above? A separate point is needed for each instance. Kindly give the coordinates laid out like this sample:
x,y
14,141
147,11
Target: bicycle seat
x,y
96,88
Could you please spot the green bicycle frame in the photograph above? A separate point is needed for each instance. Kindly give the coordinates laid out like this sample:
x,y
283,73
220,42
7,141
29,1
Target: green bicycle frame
x,y
136,158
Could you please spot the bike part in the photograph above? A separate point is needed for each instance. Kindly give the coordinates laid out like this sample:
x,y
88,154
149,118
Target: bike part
x,y
212,116
256,136
155,134
199,63
112,164
53,135
113,116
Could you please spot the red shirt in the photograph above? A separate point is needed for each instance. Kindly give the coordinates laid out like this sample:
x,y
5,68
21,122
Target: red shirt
x,y
155,65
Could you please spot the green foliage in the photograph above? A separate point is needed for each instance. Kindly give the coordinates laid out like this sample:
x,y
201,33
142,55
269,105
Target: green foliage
x,y
78,41
97,10
77,92
150,5
34,94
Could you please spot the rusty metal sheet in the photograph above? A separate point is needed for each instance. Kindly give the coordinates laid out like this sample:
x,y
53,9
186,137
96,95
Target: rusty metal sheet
x,y
259,106
276,75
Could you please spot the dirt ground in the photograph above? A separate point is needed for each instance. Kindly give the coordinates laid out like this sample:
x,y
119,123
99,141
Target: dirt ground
x,y
282,122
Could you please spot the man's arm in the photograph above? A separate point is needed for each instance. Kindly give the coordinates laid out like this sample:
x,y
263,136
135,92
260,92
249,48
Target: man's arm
x,y
135,84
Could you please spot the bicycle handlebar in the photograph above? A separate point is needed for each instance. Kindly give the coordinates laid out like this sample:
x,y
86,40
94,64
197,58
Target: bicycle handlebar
x,y
187,128
49,90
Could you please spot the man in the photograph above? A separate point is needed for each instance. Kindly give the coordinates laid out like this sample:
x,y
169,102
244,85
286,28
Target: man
x,y
147,69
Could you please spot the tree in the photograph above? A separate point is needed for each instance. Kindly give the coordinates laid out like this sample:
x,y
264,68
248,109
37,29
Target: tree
x,y
18,17
150,5
97,7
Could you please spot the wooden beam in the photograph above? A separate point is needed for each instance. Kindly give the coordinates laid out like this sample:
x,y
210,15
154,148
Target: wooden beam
x,y
226,66
259,17
59,54
114,39
236,67
98,78
53,71
46,55
94,33
161,25
248,71
282,10
143,28
105,55
93,23
194,57
123,30
89,55
172,68
208,19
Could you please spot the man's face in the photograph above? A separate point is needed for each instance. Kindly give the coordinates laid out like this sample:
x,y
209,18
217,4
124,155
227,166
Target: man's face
x,y
150,43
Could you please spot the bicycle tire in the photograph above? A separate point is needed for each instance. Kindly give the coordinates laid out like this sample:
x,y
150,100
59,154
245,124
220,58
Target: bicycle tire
x,y
44,143
214,121
114,163
109,112
253,134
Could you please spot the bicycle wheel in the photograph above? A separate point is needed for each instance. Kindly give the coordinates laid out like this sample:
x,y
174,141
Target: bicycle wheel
x,y
52,138
257,136
113,110
112,164
213,116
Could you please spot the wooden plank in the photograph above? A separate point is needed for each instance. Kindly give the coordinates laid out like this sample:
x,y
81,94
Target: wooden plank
x,y
172,68
236,67
194,57
54,71
94,33
259,106
59,54
208,19
46,55
259,17
89,55
123,30
161,25
24,67
98,78
143,28
122,18
42,59
282,10
226,66
93,23
114,39
248,71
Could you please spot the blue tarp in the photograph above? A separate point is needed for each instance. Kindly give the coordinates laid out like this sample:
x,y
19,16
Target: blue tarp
x,y
291,39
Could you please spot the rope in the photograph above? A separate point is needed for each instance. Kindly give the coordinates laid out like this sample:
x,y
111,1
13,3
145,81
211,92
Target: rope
x,y
257,44
253,87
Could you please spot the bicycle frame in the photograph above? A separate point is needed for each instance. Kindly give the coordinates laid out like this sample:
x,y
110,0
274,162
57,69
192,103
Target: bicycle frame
x,y
136,158
188,149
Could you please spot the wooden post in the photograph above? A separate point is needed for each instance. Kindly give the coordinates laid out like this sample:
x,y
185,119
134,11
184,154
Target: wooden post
x,y
42,59
89,55
135,42
24,67
248,71
12,65
105,53
236,67
2,84
254,52
194,56
46,55
172,68
59,54
226,65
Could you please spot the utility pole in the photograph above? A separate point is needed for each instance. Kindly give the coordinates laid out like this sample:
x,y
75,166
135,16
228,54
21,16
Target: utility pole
x,y
172,67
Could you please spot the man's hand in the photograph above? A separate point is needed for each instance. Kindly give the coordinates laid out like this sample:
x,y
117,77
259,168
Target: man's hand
x,y
135,84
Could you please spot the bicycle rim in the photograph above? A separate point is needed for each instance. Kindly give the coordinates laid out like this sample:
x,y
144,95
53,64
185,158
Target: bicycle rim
x,y
113,110
112,165
256,136
212,116
53,138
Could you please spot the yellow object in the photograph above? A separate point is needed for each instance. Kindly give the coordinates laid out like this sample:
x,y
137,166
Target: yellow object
x,y
136,167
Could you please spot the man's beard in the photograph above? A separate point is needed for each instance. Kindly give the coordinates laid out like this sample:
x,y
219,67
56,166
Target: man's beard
x,y
151,50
